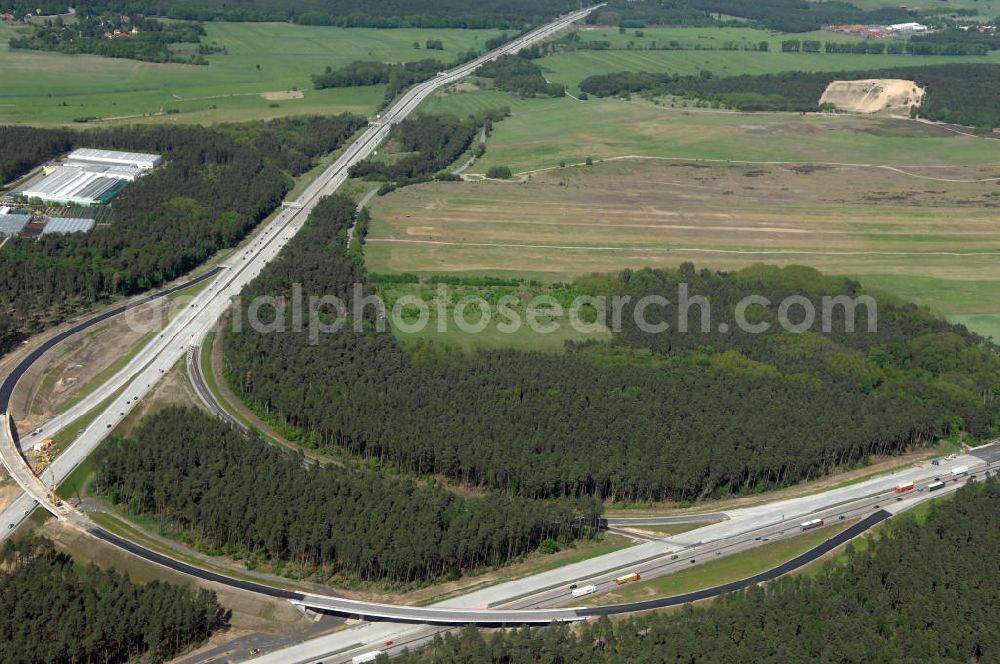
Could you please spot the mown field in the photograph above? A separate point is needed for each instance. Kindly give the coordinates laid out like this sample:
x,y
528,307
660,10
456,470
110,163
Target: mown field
x,y
41,87
571,68
542,132
896,204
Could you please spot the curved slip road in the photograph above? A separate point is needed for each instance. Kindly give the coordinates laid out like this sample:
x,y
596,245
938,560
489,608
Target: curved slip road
x,y
10,382
459,616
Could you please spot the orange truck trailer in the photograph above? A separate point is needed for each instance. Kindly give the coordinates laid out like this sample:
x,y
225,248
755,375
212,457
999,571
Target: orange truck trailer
x,y
903,488
628,578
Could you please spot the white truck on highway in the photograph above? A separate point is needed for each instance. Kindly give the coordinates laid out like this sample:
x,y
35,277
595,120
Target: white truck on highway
x,y
584,590
959,470
366,657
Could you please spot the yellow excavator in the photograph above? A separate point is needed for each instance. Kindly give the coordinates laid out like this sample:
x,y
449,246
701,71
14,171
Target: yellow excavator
x,y
46,460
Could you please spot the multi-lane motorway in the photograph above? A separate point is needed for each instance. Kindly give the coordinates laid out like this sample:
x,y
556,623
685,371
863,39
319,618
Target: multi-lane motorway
x,y
136,379
861,505
539,598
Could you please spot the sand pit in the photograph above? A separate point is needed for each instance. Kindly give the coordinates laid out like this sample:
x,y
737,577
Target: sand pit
x,y
282,95
872,95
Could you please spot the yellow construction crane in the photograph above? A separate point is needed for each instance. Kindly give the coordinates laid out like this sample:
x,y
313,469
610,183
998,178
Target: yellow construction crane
x,y
46,460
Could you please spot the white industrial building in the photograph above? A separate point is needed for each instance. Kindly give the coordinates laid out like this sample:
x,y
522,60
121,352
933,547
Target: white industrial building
x,y
138,160
907,28
76,186
90,177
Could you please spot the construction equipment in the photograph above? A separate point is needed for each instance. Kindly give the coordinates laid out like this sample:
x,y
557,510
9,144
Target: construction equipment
x,y
46,460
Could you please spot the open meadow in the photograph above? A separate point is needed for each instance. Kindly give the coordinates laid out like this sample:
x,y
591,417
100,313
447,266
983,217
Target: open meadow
x,y
702,51
49,88
542,132
906,208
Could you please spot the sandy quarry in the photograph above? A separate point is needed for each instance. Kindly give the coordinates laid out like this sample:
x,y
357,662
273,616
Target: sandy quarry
x,y
872,95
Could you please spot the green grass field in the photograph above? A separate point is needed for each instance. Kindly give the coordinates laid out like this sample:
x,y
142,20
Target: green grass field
x,y
462,326
37,84
542,132
572,67
925,231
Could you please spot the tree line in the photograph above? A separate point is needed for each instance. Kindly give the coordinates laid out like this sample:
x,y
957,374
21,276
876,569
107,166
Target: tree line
x,y
240,495
919,592
62,613
510,14
215,186
895,47
396,77
639,419
778,15
521,76
430,143
967,94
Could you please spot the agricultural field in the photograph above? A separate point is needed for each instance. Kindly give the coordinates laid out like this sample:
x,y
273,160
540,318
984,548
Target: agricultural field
x,y
542,132
572,67
909,209
52,88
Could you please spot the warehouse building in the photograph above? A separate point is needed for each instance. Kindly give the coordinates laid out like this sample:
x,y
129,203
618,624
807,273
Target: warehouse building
x,y
90,177
138,160
76,186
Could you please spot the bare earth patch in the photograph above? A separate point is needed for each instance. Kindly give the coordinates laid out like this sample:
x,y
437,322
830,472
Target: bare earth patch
x,y
283,95
872,95
61,374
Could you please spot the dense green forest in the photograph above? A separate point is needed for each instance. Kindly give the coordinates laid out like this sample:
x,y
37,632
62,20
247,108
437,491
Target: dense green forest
x,y
240,495
967,94
518,74
921,592
60,613
345,13
424,145
216,185
641,419
24,148
138,38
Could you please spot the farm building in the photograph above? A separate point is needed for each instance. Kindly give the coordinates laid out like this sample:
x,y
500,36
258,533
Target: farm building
x,y
63,225
90,177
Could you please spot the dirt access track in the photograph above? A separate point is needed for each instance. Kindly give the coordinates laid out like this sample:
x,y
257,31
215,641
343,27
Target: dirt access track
x,y
872,95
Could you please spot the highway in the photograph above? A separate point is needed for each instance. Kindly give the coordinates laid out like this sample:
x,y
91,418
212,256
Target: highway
x,y
137,378
539,598
865,505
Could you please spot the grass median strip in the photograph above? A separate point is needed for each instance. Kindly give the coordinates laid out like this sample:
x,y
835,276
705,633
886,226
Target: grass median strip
x,y
720,570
